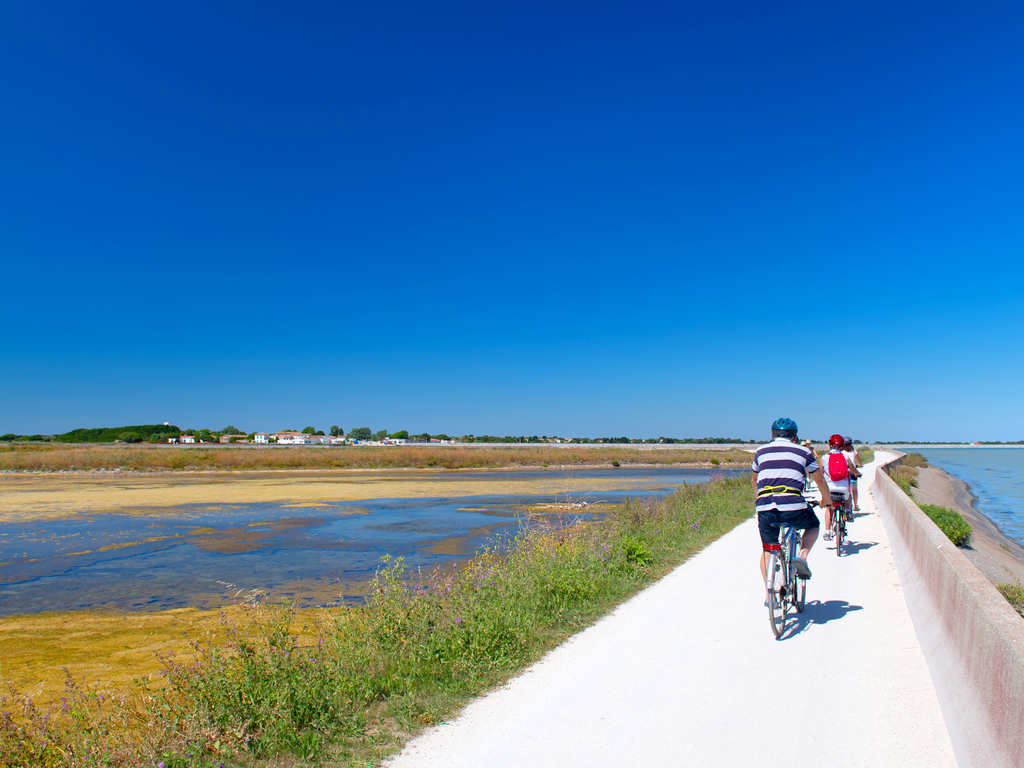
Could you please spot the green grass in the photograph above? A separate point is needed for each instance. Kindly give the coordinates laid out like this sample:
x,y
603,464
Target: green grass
x,y
866,455
1014,594
951,522
350,685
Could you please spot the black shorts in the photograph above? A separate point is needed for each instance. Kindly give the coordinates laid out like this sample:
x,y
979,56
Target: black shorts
x,y
768,522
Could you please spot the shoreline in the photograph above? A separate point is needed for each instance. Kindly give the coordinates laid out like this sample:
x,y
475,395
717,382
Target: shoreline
x,y
997,556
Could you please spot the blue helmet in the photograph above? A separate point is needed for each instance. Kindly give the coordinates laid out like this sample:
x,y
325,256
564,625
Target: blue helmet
x,y
784,427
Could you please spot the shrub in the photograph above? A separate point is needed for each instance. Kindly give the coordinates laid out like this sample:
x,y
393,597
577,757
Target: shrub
x,y
1014,594
905,477
615,463
866,455
951,522
915,460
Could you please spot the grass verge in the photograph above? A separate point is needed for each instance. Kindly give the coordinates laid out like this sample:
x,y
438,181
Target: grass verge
x,y
349,685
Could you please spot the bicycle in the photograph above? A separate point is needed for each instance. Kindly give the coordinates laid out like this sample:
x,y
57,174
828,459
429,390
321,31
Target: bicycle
x,y
840,514
785,589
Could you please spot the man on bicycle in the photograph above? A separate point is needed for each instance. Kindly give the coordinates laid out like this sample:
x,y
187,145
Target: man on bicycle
x,y
839,470
778,479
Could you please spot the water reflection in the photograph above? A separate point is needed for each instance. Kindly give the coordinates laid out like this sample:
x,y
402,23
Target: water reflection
x,y
200,555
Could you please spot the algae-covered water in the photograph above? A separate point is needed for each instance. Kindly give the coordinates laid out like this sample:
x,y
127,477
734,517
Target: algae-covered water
x,y
203,555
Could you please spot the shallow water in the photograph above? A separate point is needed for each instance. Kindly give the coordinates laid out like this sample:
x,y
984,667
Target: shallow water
x,y
203,555
996,478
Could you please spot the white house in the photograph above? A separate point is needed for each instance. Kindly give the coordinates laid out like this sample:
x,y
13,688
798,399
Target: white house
x,y
293,438
187,439
261,437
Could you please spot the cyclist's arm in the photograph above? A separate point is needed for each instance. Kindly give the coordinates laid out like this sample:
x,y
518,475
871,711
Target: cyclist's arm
x,y
853,467
753,480
819,480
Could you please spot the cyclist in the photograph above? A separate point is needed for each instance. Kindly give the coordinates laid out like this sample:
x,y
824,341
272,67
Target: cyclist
x,y
838,481
778,478
851,452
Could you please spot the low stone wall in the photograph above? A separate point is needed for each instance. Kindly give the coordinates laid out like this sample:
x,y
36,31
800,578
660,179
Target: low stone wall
x,y
972,639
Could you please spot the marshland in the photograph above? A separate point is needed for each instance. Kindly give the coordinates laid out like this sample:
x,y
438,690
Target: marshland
x,y
350,607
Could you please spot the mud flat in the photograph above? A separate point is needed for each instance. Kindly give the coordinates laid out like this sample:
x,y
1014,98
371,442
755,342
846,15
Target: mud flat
x,y
38,497
999,558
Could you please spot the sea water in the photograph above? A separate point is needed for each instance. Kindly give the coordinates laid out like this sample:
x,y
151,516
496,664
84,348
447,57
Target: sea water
x,y
197,555
996,478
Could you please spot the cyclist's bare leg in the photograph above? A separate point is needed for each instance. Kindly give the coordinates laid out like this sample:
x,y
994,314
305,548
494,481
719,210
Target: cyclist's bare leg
x,y
855,504
806,542
765,555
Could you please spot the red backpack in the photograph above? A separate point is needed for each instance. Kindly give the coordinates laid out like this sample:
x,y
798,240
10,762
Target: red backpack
x,y
838,469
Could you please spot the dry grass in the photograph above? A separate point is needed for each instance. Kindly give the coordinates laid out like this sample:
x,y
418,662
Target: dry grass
x,y
173,458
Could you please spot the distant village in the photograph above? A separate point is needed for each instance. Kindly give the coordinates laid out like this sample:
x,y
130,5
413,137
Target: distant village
x,y
300,438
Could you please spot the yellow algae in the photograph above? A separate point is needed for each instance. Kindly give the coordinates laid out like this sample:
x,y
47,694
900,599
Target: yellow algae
x,y
45,498
121,545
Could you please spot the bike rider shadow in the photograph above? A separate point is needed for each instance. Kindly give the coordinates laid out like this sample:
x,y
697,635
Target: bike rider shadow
x,y
817,612
857,547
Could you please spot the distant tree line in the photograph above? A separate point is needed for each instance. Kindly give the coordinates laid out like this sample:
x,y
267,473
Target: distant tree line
x,y
160,433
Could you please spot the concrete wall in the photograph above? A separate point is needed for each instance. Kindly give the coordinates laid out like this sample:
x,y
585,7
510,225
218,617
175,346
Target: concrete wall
x,y
972,639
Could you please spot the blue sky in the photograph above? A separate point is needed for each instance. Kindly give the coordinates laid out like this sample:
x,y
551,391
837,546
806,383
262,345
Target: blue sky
x,y
641,219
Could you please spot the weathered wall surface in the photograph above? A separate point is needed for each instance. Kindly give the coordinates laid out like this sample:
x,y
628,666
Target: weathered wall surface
x,y
972,639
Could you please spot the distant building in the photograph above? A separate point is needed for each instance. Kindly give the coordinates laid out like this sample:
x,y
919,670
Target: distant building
x,y
293,438
261,437
187,439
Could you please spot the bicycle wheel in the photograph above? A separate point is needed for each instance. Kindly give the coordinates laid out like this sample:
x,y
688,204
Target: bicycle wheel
x,y
838,530
777,597
801,595
797,587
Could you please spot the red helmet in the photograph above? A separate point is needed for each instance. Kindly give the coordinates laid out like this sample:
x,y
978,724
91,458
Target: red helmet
x,y
836,441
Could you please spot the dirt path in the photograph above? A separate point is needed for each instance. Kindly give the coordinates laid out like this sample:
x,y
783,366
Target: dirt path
x,y
689,674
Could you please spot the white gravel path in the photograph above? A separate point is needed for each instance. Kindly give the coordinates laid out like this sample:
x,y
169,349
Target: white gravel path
x,y
688,673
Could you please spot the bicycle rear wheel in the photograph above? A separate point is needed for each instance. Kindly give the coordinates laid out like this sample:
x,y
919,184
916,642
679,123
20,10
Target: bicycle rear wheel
x,y
777,597
801,595
838,529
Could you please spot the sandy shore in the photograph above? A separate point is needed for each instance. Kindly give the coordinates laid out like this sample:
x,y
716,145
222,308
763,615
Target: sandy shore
x,y
996,556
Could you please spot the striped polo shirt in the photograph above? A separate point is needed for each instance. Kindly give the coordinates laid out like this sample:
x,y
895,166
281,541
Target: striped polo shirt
x,y
780,466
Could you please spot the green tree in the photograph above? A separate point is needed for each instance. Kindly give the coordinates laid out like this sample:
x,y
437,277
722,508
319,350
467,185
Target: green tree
x,y
361,433
400,435
380,434
337,431
309,431
229,430
130,437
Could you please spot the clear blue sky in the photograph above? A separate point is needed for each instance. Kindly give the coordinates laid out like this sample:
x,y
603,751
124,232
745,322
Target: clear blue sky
x,y
574,218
